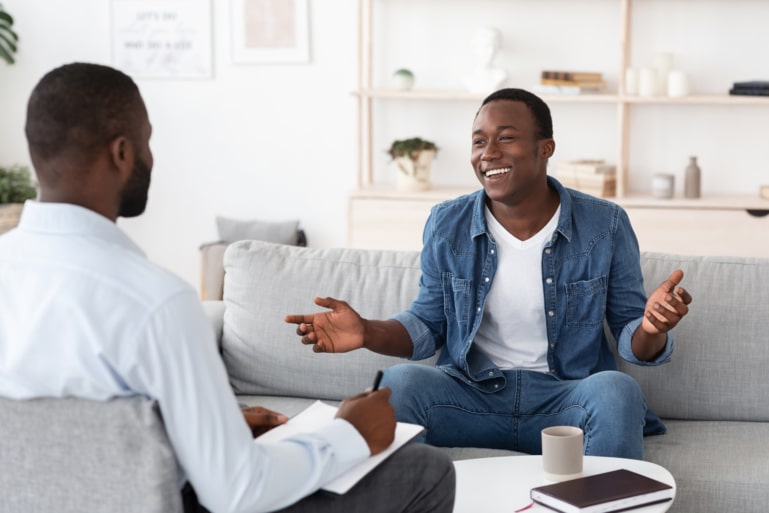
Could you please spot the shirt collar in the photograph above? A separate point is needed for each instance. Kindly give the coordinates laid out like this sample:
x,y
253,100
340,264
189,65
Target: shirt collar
x,y
478,226
72,220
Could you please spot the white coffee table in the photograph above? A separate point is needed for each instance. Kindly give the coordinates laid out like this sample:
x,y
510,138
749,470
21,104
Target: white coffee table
x,y
485,484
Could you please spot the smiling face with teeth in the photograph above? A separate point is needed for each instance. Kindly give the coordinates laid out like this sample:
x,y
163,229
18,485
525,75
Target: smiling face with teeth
x,y
510,154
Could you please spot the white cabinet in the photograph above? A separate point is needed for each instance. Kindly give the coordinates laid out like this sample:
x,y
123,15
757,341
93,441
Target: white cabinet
x,y
641,135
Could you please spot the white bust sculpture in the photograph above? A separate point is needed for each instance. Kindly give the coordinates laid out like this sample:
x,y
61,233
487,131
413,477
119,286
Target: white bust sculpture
x,y
485,78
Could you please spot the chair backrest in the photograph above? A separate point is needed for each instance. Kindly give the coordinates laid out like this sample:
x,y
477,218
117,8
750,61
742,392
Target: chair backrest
x,y
77,455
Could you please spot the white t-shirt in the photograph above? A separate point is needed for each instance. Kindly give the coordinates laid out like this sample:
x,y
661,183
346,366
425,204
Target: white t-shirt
x,y
84,313
513,331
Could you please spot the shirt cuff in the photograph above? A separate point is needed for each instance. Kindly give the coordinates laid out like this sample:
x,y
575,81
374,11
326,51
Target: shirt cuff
x,y
626,350
350,447
421,338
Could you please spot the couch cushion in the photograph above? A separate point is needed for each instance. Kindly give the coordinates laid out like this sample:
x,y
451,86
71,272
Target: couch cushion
x,y
718,466
264,282
281,232
76,455
718,370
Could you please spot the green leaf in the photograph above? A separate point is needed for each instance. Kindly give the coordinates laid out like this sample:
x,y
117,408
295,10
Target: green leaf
x,y
8,32
4,16
8,43
7,57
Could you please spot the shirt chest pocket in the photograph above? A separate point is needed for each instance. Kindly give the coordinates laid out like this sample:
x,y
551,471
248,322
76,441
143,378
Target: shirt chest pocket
x,y
586,303
457,298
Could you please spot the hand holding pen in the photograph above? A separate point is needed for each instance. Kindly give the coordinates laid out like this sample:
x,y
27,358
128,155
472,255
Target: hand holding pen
x,y
372,415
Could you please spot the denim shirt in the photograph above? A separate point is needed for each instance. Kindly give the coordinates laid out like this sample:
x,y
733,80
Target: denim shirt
x,y
591,273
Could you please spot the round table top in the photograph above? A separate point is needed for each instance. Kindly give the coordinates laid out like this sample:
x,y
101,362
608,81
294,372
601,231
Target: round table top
x,y
486,483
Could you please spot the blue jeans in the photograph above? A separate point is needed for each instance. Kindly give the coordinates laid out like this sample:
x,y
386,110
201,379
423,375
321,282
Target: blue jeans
x,y
609,407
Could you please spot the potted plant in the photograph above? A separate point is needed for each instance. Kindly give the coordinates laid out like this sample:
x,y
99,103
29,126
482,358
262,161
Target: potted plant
x,y
8,37
413,159
16,187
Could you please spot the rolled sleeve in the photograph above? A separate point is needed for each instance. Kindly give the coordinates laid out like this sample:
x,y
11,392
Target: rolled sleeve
x,y
421,336
624,346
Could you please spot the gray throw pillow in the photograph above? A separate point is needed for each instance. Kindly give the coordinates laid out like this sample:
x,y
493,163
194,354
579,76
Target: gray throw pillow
x,y
283,232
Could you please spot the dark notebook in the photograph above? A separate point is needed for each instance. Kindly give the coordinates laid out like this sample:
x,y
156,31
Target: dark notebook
x,y
603,493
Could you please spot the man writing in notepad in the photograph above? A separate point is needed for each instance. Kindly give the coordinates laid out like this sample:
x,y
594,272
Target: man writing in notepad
x,y
85,314
517,281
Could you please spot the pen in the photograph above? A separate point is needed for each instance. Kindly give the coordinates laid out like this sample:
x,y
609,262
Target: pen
x,y
377,380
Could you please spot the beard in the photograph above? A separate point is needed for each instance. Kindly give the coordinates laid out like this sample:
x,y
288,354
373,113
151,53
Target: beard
x,y
134,197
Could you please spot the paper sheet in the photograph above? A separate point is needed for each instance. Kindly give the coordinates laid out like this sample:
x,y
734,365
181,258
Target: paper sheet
x,y
320,413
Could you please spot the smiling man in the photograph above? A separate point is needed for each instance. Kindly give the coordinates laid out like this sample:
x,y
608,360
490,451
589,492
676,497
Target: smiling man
x,y
518,279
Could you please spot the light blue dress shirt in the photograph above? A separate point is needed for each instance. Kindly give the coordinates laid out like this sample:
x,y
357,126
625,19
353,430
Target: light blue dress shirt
x,y
84,313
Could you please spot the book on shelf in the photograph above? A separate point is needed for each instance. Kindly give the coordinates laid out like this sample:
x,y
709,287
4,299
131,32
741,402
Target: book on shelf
x,y
617,490
565,89
750,88
586,166
594,177
585,84
578,76
320,413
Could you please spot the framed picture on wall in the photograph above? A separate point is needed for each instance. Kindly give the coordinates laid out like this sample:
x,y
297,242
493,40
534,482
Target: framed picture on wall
x,y
270,31
162,38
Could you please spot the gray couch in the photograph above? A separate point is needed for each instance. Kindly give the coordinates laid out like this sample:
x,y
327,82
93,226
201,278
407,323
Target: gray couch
x,y
712,396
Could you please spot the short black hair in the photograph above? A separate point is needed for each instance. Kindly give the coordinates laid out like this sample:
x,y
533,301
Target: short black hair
x,y
78,108
536,105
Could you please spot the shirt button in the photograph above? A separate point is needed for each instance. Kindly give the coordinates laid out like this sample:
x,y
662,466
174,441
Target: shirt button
x,y
550,313
491,373
479,309
547,251
549,281
496,386
491,251
552,346
486,279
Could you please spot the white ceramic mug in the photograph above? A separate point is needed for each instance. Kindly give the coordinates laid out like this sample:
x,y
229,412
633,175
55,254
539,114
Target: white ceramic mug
x,y
678,84
647,82
663,185
562,452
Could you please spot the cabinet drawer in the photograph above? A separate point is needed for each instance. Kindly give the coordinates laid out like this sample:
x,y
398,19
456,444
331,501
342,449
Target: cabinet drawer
x,y
709,232
381,223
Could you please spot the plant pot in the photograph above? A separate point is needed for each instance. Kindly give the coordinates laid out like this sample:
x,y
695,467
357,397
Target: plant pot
x,y
414,174
9,216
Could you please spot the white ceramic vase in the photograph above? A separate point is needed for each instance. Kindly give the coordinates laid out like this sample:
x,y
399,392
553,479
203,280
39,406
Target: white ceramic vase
x,y
414,174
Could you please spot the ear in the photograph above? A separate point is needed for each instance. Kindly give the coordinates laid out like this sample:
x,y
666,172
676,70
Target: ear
x,y
121,153
546,148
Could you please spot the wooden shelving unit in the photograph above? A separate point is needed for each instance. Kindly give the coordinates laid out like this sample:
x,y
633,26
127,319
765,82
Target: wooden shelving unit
x,y
625,105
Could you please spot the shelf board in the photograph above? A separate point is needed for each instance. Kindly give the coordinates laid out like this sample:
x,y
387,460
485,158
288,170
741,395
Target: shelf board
x,y
383,191
426,94
699,99
439,95
707,202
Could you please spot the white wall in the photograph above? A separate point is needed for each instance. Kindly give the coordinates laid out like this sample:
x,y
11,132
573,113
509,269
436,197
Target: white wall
x,y
274,141
270,142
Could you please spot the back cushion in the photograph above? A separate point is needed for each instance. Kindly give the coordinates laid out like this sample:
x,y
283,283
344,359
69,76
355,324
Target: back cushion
x,y
78,455
264,282
718,370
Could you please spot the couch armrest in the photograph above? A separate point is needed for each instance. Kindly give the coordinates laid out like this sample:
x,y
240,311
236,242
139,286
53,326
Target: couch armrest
x,y
215,313
212,270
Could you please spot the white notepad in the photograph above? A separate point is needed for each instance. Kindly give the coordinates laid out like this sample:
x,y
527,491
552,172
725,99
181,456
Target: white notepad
x,y
320,413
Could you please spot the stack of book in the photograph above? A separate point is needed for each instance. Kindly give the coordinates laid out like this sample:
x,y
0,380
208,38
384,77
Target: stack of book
x,y
752,88
594,177
571,82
